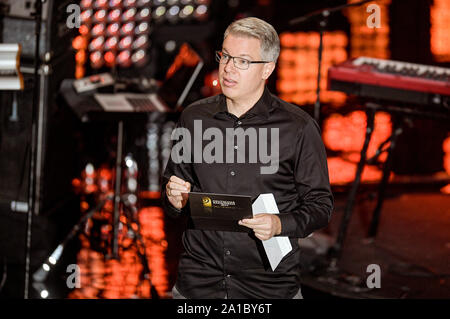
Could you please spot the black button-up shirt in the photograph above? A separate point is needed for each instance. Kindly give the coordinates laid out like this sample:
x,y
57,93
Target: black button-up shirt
x,y
216,264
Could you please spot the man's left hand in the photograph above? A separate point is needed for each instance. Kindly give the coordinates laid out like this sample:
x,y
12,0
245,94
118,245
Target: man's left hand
x,y
265,226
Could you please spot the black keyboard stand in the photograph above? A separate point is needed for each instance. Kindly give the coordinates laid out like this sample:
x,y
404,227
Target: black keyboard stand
x,y
401,117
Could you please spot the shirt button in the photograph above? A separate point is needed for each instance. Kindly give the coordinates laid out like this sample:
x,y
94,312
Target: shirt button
x,y
228,276
232,173
235,147
227,252
239,122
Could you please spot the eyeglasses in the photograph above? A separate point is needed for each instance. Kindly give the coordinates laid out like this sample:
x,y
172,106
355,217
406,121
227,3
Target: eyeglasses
x,y
238,62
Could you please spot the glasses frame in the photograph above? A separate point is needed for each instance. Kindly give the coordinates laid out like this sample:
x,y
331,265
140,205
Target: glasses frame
x,y
219,55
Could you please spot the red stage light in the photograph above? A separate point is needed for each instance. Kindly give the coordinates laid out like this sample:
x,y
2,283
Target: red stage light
x,y
129,14
123,59
110,58
80,57
84,30
111,43
86,3
115,3
97,30
96,44
138,57
127,28
113,29
101,3
114,15
79,43
85,16
96,59
129,3
100,15
125,43
141,42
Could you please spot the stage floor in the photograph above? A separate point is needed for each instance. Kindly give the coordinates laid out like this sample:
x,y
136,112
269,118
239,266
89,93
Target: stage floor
x,y
412,250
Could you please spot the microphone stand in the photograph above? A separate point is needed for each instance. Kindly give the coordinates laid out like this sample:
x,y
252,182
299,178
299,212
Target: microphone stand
x,y
33,168
322,15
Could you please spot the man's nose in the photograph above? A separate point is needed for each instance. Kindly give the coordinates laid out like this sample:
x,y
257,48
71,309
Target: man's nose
x,y
229,66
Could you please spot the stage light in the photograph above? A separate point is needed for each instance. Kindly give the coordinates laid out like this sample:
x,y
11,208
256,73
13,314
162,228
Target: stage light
x,y
113,29
143,3
187,11
84,30
142,28
114,15
111,43
98,30
101,4
172,2
96,44
129,14
144,14
172,14
100,16
201,13
115,3
80,57
125,43
141,42
96,59
86,4
159,13
129,3
86,16
138,57
110,58
124,58
127,29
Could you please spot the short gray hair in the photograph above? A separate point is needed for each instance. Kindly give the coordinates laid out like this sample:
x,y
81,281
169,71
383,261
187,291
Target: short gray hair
x,y
261,30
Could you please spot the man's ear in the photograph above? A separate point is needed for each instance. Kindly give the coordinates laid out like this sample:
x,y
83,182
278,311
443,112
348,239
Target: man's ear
x,y
268,69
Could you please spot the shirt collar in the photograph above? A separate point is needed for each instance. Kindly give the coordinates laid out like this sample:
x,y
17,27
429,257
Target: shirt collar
x,y
262,107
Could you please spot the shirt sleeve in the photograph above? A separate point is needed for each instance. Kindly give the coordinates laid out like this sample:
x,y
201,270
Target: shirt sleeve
x,y
177,166
313,186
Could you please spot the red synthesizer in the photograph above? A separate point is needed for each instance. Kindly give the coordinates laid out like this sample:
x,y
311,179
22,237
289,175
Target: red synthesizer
x,y
391,80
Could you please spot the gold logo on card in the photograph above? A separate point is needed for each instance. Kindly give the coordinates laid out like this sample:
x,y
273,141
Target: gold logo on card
x,y
206,202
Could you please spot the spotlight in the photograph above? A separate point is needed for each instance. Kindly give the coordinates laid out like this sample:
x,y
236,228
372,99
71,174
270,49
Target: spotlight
x,y
127,29
172,14
129,14
115,3
101,4
100,15
142,28
125,43
96,59
144,14
114,15
141,42
110,58
138,57
124,58
98,30
113,29
86,4
96,44
111,43
86,16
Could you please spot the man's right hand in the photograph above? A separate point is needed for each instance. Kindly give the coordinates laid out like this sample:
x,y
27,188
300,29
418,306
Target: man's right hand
x,y
176,191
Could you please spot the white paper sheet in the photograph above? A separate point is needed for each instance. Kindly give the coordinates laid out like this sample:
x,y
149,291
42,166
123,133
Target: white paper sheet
x,y
278,246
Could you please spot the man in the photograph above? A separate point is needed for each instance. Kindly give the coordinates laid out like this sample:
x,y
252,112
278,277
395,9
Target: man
x,y
218,264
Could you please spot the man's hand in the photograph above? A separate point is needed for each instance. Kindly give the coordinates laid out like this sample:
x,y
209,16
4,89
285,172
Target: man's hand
x,y
265,226
176,191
